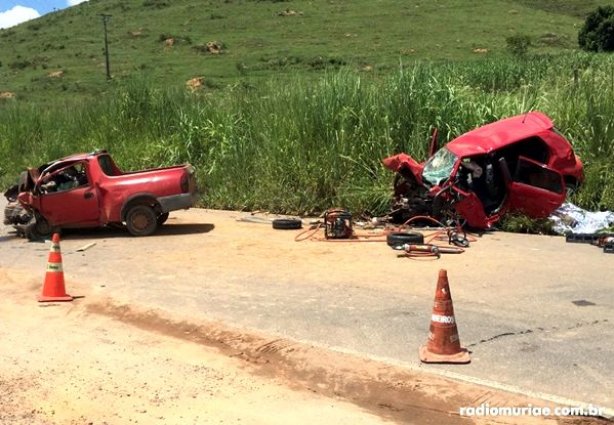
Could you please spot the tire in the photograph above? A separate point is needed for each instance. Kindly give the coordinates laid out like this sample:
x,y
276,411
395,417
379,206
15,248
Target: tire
x,y
571,185
162,218
399,239
287,223
141,220
39,229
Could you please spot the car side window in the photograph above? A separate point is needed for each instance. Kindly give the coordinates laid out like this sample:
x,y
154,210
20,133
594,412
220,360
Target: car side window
x,y
533,148
107,166
66,178
536,175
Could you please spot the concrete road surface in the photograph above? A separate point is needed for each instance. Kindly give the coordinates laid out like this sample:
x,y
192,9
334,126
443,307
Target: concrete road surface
x,y
536,312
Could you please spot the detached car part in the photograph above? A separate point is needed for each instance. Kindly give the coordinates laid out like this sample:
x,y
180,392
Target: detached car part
x,y
287,223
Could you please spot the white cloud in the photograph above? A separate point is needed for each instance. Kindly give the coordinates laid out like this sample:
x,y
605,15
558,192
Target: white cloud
x,y
17,15
74,2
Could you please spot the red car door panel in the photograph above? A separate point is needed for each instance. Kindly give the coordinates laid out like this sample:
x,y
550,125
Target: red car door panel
x,y
76,207
535,189
470,207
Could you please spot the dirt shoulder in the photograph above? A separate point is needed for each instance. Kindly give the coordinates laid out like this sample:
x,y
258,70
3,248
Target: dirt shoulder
x,y
63,364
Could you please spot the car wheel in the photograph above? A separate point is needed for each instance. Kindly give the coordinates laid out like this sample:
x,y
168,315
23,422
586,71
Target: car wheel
x,y
572,185
398,239
162,218
287,223
39,229
141,220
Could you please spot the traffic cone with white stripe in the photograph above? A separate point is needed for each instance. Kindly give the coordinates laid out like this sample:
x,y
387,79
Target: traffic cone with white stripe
x,y
443,345
53,286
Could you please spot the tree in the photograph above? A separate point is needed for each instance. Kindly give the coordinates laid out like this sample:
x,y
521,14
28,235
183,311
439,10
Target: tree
x,y
597,34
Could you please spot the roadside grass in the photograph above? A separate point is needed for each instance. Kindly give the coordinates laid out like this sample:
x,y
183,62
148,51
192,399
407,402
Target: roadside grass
x,y
313,143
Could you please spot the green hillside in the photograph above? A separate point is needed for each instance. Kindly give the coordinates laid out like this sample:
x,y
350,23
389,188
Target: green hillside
x,y
62,53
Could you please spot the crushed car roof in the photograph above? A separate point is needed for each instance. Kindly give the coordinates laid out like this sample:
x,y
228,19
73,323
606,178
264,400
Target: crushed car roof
x,y
77,157
498,134
80,156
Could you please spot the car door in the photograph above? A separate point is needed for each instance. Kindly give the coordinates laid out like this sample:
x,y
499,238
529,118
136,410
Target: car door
x,y
75,206
535,189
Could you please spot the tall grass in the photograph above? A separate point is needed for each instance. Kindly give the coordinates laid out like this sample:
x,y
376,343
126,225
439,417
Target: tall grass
x,y
305,145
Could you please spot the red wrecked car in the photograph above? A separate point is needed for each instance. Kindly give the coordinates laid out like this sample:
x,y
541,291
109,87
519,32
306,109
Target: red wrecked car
x,y
519,164
89,190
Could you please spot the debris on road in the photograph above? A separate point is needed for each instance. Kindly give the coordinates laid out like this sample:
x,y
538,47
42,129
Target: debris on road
x,y
287,223
399,239
520,164
277,222
86,247
338,225
428,250
602,240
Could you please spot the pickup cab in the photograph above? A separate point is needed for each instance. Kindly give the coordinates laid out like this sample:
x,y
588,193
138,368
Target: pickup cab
x,y
89,190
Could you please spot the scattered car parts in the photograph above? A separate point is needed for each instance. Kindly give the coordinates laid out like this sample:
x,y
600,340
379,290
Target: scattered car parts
x,y
287,223
398,239
602,240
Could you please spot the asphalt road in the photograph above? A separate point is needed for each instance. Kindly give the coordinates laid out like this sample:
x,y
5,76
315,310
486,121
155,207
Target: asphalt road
x,y
536,313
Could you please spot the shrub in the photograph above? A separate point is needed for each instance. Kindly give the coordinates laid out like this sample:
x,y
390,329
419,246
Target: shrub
x,y
597,34
319,63
156,4
519,223
20,64
518,44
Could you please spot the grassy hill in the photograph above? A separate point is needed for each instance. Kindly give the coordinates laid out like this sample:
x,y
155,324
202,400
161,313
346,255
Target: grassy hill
x,y
166,41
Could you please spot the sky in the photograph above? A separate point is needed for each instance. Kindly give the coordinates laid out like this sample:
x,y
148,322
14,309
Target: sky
x,y
13,12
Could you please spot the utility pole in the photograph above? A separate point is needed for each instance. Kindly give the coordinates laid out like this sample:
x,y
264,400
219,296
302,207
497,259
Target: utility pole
x,y
105,18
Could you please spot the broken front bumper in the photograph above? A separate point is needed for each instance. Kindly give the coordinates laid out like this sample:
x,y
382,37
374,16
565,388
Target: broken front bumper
x,y
15,214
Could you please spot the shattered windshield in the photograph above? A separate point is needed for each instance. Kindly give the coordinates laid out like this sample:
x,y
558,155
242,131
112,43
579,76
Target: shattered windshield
x,y
438,167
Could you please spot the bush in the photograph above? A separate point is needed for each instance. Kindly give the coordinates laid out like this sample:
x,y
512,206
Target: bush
x,y
156,4
518,44
20,64
597,34
519,223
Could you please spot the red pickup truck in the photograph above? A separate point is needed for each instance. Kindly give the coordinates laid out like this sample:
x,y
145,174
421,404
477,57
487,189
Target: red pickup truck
x,y
89,190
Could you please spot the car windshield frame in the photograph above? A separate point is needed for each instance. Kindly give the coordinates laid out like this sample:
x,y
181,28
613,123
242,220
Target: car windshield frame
x,y
439,167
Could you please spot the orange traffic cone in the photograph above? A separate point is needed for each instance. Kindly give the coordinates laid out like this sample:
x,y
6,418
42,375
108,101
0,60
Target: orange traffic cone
x,y
53,287
443,345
